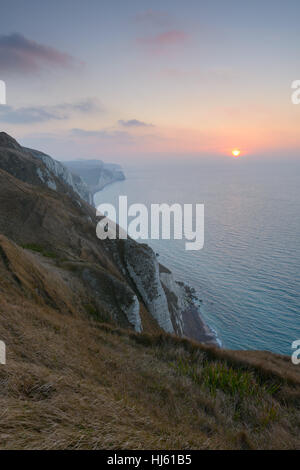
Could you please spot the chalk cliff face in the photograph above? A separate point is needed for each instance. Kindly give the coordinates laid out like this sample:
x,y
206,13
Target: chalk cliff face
x,y
44,210
61,172
143,269
95,173
85,177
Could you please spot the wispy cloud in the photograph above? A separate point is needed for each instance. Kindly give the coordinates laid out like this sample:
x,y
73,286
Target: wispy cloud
x,y
104,134
162,41
34,114
134,123
114,137
19,54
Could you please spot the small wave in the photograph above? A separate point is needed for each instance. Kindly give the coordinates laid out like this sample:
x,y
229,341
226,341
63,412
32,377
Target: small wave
x,y
199,305
216,335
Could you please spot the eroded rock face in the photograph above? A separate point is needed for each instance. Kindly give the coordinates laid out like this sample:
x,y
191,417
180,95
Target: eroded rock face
x,y
143,269
177,301
61,172
8,142
44,206
116,295
95,173
22,164
133,314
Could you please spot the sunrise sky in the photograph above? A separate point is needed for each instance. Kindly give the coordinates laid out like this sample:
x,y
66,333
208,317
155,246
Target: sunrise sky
x,y
133,79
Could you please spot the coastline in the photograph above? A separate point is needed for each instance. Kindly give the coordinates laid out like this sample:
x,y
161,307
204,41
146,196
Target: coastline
x,y
187,306
194,326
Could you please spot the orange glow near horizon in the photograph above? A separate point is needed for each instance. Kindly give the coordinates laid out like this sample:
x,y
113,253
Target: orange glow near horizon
x,y
236,152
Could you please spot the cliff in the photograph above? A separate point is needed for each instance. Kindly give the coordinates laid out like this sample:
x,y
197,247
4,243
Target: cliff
x,y
92,361
95,173
44,210
61,172
85,177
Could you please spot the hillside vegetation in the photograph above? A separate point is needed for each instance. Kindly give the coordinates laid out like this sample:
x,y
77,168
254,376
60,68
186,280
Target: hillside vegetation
x,y
72,381
78,375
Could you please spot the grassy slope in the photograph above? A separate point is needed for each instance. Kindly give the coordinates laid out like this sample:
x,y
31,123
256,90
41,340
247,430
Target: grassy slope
x,y
73,382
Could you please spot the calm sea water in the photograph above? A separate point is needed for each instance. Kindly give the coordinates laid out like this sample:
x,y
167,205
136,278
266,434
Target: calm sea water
x,y
248,273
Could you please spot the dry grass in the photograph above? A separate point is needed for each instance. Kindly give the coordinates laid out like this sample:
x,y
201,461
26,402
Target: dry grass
x,y
71,382
78,384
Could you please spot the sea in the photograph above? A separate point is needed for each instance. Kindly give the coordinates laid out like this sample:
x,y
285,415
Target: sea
x,y
247,275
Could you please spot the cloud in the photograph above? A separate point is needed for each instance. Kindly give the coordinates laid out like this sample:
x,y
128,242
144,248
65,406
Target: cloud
x,y
19,54
134,123
163,40
113,137
104,134
33,114
27,115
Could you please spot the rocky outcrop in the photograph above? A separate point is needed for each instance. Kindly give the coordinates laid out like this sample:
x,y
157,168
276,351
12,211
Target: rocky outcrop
x,y
124,299
20,163
184,310
95,173
38,169
61,172
85,177
143,269
8,142
176,298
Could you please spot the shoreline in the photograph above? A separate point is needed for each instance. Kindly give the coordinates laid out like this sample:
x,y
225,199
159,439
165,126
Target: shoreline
x,y
193,324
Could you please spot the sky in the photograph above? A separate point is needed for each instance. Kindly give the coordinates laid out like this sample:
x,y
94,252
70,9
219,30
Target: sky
x,y
128,80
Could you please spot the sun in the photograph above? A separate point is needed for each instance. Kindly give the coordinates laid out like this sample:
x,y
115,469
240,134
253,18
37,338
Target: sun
x,y
236,152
